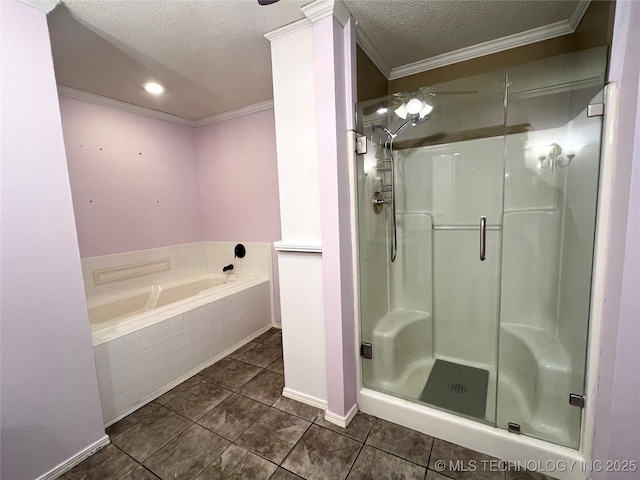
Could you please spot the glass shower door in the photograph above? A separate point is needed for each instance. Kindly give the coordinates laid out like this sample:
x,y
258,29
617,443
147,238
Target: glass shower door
x,y
430,317
551,184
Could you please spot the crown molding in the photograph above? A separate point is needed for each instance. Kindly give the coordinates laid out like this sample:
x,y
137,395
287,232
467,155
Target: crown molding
x,y
318,10
43,5
578,13
149,112
527,37
120,105
288,29
482,49
323,8
239,112
313,12
372,52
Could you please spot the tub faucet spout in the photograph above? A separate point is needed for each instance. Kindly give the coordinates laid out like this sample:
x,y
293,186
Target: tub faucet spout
x,y
227,268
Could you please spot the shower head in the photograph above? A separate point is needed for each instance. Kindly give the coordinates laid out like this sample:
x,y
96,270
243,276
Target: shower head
x,y
419,120
382,127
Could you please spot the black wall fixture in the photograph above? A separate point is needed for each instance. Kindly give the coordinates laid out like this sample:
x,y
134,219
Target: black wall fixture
x,y
240,251
267,2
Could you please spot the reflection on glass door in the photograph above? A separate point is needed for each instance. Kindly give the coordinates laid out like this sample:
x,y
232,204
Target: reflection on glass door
x,y
551,185
429,301
476,216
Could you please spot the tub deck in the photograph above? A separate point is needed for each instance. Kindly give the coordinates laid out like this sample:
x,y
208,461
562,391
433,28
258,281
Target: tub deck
x,y
113,315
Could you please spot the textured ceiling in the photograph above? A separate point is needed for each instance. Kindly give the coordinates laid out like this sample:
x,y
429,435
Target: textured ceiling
x,y
212,56
405,31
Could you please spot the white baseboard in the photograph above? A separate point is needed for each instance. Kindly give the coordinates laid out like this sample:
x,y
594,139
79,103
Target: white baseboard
x,y
304,398
339,420
188,375
76,459
277,325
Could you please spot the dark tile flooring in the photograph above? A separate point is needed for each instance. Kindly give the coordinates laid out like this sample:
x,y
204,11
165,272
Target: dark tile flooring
x,y
230,421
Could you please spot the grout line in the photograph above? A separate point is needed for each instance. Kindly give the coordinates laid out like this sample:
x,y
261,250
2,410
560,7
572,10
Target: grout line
x,y
296,444
214,458
364,442
396,455
129,471
433,443
355,460
134,423
243,431
343,429
262,456
195,422
295,415
255,453
149,470
169,440
295,474
268,406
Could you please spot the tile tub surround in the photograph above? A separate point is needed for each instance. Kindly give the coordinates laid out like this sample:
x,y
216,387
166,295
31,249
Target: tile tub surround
x,y
135,368
275,438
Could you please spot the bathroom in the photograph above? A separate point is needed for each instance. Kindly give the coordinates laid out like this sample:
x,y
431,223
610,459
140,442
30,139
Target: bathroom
x,y
390,211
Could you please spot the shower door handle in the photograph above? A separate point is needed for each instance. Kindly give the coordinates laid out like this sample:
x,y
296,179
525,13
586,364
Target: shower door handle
x,y
483,238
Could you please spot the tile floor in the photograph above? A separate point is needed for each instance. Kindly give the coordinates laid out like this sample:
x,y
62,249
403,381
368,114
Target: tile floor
x,y
230,421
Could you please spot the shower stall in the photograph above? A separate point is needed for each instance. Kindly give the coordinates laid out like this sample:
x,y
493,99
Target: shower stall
x,y
476,221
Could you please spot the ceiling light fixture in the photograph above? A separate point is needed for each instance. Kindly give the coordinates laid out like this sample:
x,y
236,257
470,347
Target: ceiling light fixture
x,y
153,87
426,110
414,106
401,111
266,2
382,110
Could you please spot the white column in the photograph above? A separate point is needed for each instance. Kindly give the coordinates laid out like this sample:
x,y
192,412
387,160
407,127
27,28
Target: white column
x,y
313,65
334,44
300,250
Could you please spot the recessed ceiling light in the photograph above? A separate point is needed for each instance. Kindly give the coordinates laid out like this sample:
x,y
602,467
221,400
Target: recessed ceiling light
x,y
153,87
382,110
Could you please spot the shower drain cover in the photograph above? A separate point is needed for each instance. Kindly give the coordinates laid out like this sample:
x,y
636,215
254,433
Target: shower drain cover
x,y
456,387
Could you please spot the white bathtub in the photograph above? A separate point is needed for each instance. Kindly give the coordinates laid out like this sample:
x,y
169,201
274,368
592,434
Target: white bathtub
x,y
149,339
112,316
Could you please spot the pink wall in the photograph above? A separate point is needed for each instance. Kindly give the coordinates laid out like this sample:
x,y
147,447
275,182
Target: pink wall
x,y
239,179
617,419
141,183
135,179
50,404
238,174
333,47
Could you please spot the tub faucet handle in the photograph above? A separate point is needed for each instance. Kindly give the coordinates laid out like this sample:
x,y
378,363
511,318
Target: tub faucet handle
x,y
227,268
